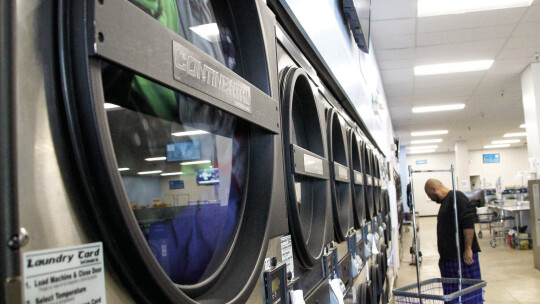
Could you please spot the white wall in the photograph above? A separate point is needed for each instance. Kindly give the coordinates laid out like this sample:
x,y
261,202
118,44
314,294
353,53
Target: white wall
x,y
435,161
513,160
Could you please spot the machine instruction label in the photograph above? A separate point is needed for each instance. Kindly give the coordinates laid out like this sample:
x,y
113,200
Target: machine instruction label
x,y
65,275
287,253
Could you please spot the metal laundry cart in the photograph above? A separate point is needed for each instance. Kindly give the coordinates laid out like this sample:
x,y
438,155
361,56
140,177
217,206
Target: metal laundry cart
x,y
440,290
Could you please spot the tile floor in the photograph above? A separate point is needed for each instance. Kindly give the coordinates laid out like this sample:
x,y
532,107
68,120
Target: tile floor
x,y
510,274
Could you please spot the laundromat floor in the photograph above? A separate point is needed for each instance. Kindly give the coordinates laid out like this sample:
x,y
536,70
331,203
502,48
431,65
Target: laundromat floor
x,y
510,274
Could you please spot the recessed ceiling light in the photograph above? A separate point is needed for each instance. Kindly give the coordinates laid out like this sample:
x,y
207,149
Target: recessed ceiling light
x,y
451,107
149,172
110,106
429,133
445,7
497,146
171,173
421,151
209,31
155,158
519,134
506,141
453,67
196,162
423,147
522,126
188,133
426,141
123,169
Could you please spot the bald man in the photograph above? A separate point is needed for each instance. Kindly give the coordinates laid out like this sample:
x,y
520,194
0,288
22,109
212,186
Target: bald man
x,y
446,236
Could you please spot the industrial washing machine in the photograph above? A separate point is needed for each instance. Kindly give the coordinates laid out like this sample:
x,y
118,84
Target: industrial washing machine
x,y
150,127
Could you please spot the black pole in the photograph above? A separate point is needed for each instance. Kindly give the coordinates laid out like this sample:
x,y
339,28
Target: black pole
x,y
9,243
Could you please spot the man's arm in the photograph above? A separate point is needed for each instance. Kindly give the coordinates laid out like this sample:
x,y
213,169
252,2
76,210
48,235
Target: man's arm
x,y
468,235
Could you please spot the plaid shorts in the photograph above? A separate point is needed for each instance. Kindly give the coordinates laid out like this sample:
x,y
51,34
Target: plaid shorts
x,y
449,269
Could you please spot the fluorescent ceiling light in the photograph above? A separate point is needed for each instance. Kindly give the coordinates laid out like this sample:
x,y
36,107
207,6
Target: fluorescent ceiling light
x,y
171,173
196,162
497,146
506,141
445,7
522,126
155,158
149,172
450,107
110,106
208,31
429,133
421,151
426,141
188,133
519,134
423,147
454,67
123,169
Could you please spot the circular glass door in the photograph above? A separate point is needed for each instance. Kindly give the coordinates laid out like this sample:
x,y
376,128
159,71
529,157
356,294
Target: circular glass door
x,y
358,185
167,171
306,167
339,174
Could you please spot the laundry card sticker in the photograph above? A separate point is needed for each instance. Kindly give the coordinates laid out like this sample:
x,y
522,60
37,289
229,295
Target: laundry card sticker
x,y
287,253
65,275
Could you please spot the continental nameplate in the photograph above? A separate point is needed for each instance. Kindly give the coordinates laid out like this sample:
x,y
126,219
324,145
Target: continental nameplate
x,y
210,78
65,275
313,165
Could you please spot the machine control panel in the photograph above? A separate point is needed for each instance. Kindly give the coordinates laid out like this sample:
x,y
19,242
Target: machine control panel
x,y
330,263
275,284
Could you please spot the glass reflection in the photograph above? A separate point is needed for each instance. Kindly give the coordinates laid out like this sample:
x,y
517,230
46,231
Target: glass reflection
x,y
183,163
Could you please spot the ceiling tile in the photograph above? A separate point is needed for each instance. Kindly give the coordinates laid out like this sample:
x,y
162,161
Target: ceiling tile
x,y
465,35
390,9
477,50
393,27
396,54
393,42
526,29
470,20
532,14
403,76
524,41
394,64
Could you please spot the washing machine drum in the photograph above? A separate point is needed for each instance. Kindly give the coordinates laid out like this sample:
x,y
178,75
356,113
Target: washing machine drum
x,y
358,185
376,278
340,179
370,189
376,187
307,170
363,294
168,142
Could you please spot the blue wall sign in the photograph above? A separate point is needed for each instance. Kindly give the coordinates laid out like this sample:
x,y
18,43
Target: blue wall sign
x,y
421,162
492,158
176,184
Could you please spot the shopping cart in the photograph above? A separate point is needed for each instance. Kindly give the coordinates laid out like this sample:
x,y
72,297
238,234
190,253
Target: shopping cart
x,y
440,290
433,291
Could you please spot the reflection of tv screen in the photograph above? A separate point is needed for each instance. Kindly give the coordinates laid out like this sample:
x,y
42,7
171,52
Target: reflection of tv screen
x,y
208,176
185,150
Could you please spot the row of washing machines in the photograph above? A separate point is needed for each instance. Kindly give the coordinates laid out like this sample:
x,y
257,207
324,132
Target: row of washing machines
x,y
198,144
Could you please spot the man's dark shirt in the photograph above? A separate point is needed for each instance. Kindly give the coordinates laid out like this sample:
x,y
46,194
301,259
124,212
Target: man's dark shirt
x,y
446,232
